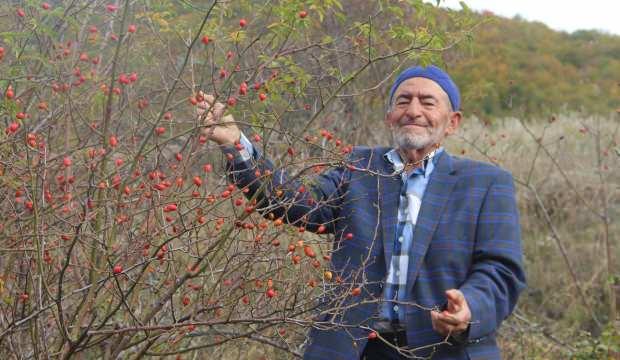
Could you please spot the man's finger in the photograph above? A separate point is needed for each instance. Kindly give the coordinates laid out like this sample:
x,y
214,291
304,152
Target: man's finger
x,y
455,295
208,98
456,300
458,320
210,111
448,318
446,329
463,316
437,326
218,127
441,326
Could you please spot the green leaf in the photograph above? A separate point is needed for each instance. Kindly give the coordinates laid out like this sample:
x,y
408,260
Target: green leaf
x,y
327,39
464,7
396,11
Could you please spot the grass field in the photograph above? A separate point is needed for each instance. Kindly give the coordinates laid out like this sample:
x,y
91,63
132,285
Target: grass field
x,y
569,165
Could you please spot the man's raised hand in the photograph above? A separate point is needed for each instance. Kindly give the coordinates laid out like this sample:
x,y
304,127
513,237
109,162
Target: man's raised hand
x,y
220,128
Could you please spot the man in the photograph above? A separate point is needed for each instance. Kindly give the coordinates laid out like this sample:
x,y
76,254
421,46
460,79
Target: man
x,y
436,248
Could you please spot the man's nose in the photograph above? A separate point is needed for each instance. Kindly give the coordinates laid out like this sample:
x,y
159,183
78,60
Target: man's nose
x,y
414,109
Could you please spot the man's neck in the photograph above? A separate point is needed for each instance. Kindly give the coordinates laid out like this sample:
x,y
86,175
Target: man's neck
x,y
414,158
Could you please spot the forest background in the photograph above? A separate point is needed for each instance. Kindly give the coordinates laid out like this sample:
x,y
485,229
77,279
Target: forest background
x,y
120,236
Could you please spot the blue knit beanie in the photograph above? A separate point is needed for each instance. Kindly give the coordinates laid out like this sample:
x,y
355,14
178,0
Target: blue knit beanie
x,y
437,75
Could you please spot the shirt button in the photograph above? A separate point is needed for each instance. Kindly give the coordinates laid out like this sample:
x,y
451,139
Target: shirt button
x,y
395,307
400,239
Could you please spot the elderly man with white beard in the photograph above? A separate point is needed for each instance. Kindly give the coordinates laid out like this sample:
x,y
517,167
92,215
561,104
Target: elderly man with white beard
x,y
444,270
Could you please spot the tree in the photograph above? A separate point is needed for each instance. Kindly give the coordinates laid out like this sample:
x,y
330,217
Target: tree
x,y
121,234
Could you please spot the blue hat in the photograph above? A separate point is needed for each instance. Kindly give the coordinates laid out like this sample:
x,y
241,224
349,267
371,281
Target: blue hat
x,y
437,75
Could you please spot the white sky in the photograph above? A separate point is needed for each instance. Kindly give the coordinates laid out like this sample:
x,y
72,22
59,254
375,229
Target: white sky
x,y
564,15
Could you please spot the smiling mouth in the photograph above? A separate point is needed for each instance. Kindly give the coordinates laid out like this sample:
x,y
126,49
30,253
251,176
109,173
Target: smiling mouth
x,y
414,125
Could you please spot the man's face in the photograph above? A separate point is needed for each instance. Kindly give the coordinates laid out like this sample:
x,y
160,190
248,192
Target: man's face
x,y
420,115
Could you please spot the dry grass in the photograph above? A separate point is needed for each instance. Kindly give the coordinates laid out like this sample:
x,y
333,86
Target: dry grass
x,y
577,178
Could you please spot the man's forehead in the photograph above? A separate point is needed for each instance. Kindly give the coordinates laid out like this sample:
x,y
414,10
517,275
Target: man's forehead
x,y
420,85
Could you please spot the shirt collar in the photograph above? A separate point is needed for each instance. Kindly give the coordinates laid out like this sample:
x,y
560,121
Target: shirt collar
x,y
393,157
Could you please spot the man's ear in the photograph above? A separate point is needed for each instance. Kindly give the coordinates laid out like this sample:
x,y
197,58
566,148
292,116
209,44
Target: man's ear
x,y
454,120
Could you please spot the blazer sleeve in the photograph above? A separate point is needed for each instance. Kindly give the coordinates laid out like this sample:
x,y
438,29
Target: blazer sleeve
x,y
310,203
497,276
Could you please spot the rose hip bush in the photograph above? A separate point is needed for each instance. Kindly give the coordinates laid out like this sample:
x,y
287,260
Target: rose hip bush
x,y
121,235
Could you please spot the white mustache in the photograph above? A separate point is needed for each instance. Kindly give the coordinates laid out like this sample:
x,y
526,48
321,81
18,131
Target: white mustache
x,y
406,120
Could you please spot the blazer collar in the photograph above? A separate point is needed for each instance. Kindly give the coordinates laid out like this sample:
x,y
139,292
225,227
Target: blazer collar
x,y
444,163
436,195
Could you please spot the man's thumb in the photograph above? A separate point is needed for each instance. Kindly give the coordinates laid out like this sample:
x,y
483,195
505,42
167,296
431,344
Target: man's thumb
x,y
455,299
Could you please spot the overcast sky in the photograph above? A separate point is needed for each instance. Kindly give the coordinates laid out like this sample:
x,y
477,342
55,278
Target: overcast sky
x,y
564,15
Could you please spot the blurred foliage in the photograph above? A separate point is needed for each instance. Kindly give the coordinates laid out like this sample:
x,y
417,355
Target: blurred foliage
x,y
603,347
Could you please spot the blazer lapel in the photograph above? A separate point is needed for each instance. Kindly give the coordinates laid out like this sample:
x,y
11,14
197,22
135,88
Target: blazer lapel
x,y
434,200
389,197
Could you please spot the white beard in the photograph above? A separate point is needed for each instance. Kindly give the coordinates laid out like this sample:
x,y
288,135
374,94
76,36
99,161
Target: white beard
x,y
407,140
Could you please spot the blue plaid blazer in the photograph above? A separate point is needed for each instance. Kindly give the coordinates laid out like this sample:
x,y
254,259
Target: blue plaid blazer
x,y
467,237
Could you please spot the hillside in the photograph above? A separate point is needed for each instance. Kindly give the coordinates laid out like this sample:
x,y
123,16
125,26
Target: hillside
x,y
516,67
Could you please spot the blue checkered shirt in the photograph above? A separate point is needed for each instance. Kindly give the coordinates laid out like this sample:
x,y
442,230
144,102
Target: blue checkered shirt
x,y
412,189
